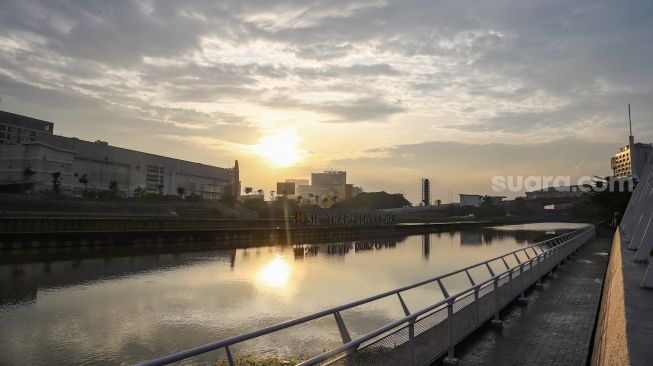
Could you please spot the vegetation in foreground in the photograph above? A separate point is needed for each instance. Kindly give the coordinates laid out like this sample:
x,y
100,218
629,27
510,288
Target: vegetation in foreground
x,y
259,360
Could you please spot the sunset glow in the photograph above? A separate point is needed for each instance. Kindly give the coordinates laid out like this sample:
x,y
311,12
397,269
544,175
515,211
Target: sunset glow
x,y
280,149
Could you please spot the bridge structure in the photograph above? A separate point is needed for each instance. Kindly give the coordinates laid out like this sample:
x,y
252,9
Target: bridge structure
x,y
637,224
468,298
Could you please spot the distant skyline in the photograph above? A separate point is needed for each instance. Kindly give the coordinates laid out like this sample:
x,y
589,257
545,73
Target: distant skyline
x,y
390,91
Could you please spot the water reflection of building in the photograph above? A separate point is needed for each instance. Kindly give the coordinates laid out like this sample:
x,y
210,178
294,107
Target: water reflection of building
x,y
426,245
21,281
343,248
471,237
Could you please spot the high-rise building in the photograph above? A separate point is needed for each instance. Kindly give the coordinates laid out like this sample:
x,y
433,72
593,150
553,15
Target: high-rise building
x,y
426,192
285,188
333,181
631,159
352,191
298,182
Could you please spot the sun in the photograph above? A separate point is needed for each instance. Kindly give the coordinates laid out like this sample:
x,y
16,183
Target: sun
x,y
280,149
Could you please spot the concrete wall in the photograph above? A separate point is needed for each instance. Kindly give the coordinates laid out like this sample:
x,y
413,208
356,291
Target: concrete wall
x,y
610,346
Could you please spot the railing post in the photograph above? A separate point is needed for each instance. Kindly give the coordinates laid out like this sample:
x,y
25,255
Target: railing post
x,y
346,338
411,331
539,273
522,299
230,357
451,359
496,322
478,306
510,281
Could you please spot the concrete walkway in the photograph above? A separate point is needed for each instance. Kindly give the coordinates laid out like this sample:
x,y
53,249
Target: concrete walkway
x,y
556,326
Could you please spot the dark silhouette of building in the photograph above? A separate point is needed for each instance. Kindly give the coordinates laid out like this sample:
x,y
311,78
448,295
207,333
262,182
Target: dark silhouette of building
x,y
426,192
285,188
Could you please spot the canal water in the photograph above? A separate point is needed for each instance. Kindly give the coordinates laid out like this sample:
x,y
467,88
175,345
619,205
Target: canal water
x,y
122,307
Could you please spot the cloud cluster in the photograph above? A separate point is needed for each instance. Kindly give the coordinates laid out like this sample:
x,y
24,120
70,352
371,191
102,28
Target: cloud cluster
x,y
507,71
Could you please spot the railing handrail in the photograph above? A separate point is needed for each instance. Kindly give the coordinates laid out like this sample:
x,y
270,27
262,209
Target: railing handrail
x,y
178,356
412,316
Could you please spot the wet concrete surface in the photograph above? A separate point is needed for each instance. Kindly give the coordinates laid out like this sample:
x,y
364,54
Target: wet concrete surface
x,y
556,325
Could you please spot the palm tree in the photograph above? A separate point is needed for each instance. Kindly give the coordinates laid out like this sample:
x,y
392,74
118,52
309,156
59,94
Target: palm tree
x,y
248,190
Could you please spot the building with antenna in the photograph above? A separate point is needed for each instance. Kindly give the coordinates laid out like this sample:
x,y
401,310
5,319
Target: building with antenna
x,y
631,159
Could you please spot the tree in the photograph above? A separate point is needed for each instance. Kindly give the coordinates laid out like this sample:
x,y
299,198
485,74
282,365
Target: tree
x,y
139,193
521,207
161,189
84,180
27,174
282,207
56,183
271,195
258,205
113,190
248,190
489,208
373,201
260,192
299,199
605,202
181,191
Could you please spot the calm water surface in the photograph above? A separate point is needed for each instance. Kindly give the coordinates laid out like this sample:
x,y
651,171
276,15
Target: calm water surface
x,y
122,308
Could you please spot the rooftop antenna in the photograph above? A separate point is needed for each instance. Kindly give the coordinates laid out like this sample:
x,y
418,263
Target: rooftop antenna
x,y
630,122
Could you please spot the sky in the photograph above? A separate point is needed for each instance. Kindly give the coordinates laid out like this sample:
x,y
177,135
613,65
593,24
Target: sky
x,y
390,91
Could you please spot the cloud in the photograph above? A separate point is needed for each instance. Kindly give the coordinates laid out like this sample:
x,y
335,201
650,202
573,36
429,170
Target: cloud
x,y
482,72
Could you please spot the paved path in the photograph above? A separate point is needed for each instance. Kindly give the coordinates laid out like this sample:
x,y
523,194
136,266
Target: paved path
x,y
556,326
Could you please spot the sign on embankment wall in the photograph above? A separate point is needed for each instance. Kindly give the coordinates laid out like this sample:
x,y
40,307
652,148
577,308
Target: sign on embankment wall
x,y
348,218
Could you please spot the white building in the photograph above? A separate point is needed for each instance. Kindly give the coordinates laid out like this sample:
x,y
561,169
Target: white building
x,y
98,164
475,200
630,159
332,181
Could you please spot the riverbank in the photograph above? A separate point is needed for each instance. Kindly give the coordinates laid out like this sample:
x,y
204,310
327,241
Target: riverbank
x,y
35,233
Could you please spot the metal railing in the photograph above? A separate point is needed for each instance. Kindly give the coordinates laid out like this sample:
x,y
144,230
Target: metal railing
x,y
425,335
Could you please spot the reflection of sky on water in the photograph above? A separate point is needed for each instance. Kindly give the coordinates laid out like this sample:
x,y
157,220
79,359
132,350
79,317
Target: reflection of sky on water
x,y
124,309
